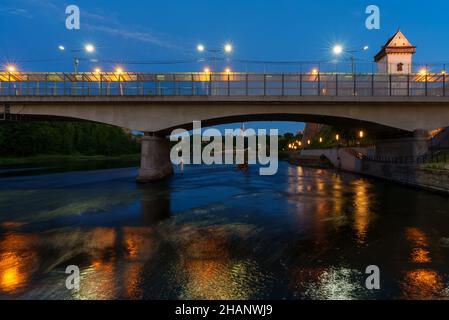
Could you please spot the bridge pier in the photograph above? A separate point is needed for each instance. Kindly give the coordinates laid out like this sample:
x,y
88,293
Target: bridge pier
x,y
155,161
410,147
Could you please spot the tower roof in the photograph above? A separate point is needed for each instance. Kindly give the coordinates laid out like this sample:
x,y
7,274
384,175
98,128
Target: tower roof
x,y
396,44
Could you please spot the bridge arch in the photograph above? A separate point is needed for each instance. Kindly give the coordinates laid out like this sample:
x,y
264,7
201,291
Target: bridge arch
x,y
158,114
375,129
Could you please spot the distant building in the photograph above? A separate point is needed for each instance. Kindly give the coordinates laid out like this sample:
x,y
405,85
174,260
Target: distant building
x,y
396,56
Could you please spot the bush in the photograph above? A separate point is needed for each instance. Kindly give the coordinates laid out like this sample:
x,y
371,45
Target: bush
x,y
65,138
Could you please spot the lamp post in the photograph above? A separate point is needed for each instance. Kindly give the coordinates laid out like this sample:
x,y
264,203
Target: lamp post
x,y
227,49
88,48
339,50
337,138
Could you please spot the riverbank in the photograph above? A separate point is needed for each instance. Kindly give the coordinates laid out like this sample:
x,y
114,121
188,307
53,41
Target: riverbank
x,y
49,159
432,176
417,176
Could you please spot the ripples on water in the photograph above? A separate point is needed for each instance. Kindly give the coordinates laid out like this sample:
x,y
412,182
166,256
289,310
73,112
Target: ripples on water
x,y
215,233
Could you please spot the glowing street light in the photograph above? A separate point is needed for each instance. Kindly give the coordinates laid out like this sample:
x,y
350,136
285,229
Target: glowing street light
x,y
337,137
200,48
361,134
97,70
338,49
206,70
228,70
423,71
89,48
228,48
321,140
11,68
315,71
309,142
119,70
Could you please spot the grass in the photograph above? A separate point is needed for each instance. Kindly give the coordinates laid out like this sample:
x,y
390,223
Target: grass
x,y
441,161
437,166
45,159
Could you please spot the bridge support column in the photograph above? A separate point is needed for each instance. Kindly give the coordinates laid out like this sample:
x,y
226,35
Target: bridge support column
x,y
410,147
155,159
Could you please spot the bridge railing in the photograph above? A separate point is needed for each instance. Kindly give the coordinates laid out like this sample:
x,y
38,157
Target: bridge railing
x,y
427,158
222,84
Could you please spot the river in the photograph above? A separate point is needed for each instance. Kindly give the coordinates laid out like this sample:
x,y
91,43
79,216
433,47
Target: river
x,y
212,232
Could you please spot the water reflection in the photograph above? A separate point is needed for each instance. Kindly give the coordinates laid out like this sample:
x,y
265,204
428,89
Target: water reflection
x,y
155,203
210,270
18,261
213,233
422,284
362,215
419,243
328,283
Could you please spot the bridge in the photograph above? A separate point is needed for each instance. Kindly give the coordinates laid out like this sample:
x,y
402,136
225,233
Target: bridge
x,y
390,105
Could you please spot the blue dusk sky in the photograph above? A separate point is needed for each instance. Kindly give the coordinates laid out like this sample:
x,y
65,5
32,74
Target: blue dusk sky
x,y
169,31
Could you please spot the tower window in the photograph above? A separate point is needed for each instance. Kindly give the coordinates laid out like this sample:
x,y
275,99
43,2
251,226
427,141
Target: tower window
x,y
400,67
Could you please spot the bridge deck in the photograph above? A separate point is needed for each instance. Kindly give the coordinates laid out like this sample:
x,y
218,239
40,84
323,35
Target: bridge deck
x,y
224,84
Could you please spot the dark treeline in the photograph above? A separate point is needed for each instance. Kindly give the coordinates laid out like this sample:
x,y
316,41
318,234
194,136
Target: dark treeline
x,y
64,138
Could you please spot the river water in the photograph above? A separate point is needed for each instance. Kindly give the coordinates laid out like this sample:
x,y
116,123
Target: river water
x,y
216,233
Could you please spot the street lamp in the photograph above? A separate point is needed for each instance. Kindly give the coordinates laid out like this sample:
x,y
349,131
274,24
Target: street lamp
x,y
339,49
89,48
423,71
11,68
200,48
227,49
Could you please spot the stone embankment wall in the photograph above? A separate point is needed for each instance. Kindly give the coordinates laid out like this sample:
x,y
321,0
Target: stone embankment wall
x,y
414,175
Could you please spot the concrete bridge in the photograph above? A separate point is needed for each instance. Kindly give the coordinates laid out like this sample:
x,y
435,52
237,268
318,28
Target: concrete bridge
x,y
385,104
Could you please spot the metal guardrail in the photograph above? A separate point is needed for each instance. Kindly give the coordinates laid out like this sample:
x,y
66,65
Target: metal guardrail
x,y
427,158
222,84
